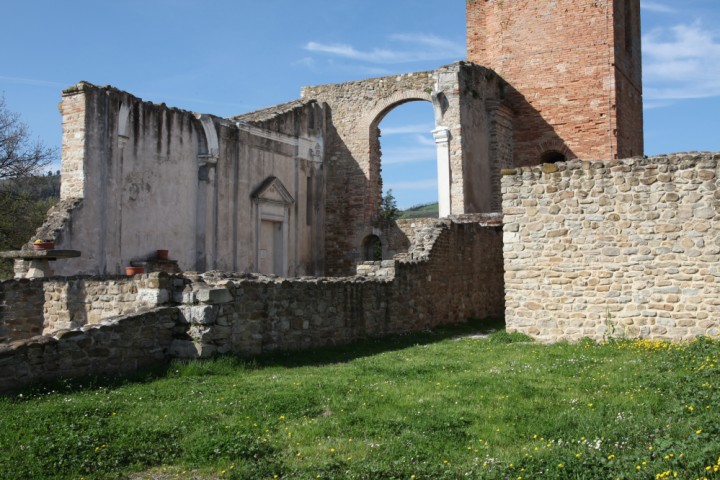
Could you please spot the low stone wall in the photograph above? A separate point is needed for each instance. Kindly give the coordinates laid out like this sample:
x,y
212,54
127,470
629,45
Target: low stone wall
x,y
451,273
120,345
45,305
456,275
621,248
21,309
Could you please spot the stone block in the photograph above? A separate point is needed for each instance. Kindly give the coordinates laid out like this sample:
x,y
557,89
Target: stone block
x,y
214,295
198,314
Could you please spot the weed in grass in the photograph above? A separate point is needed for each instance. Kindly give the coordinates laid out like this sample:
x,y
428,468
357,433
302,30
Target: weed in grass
x,y
423,406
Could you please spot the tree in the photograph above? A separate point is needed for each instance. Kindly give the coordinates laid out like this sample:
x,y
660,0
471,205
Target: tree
x,y
388,207
19,155
25,194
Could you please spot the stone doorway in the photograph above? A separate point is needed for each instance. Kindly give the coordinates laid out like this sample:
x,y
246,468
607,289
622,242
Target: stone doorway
x,y
271,248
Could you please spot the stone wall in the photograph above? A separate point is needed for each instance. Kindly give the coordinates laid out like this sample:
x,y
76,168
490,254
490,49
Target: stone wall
x,y
621,248
47,305
451,272
115,346
21,309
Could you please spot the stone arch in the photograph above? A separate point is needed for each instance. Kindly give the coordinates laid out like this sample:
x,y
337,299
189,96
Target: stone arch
x,y
369,135
553,151
372,248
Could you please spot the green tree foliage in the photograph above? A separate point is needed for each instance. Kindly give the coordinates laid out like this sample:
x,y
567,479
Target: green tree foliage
x,y
25,193
388,207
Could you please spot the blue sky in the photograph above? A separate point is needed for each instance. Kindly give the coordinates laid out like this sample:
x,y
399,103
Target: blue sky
x,y
227,57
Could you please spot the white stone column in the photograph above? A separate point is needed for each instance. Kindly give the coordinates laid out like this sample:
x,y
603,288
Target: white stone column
x,y
442,142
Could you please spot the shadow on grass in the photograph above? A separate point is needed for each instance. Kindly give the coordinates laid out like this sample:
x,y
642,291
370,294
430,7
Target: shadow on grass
x,y
298,358
365,348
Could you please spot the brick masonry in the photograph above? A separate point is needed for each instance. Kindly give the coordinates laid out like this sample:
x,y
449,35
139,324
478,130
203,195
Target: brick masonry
x,y
622,248
574,73
467,102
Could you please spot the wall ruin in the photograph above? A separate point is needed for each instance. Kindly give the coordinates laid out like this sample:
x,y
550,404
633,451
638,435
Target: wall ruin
x,y
138,177
451,272
472,135
623,248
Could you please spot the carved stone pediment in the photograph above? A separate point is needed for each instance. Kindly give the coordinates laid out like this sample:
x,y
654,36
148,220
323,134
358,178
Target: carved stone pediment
x,y
272,190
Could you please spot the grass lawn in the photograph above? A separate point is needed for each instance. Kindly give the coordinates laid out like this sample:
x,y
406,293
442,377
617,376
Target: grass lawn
x,y
424,406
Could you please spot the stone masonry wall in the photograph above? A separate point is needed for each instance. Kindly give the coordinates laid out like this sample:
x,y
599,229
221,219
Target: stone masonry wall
x,y
115,346
625,248
451,272
455,274
44,306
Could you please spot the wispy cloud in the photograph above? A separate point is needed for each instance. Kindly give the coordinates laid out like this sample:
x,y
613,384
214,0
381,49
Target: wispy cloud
x,y
423,140
412,184
408,155
33,82
407,48
681,62
656,7
405,129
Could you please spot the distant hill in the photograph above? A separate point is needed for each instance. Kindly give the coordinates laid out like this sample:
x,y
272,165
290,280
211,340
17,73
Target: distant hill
x,y
428,210
45,187
23,205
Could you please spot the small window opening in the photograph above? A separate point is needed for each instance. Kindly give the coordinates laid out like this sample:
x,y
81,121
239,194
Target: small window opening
x,y
552,156
372,248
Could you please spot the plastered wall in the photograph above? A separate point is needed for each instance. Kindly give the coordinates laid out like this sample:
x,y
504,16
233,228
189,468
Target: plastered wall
x,y
138,177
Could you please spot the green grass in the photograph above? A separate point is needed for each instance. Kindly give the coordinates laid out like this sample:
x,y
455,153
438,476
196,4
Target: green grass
x,y
430,210
437,405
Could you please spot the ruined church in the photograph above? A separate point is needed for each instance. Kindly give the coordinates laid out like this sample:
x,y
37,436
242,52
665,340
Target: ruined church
x,y
550,215
294,189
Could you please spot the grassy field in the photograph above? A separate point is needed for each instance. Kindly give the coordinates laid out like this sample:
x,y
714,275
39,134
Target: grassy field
x,y
437,405
429,210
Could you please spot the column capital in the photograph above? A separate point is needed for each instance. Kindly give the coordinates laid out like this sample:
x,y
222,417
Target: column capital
x,y
441,135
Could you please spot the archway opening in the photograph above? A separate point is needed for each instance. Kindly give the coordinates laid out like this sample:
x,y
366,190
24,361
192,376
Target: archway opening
x,y
408,158
552,156
372,248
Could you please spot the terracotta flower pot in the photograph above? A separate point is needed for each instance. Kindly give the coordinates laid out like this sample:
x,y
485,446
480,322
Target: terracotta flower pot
x,y
46,245
130,271
162,255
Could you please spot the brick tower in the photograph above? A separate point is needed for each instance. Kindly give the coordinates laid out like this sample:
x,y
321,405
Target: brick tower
x,y
574,74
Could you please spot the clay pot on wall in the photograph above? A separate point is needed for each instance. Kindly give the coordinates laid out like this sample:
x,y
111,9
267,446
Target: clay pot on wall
x,y
162,255
130,271
40,245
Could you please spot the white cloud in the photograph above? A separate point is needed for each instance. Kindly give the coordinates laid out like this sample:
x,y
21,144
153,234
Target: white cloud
x,y
681,62
408,155
423,140
656,7
412,184
33,82
424,47
405,129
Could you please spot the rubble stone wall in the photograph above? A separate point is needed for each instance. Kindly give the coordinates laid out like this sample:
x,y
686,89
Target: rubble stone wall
x,y
621,248
45,306
452,272
456,274
119,345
